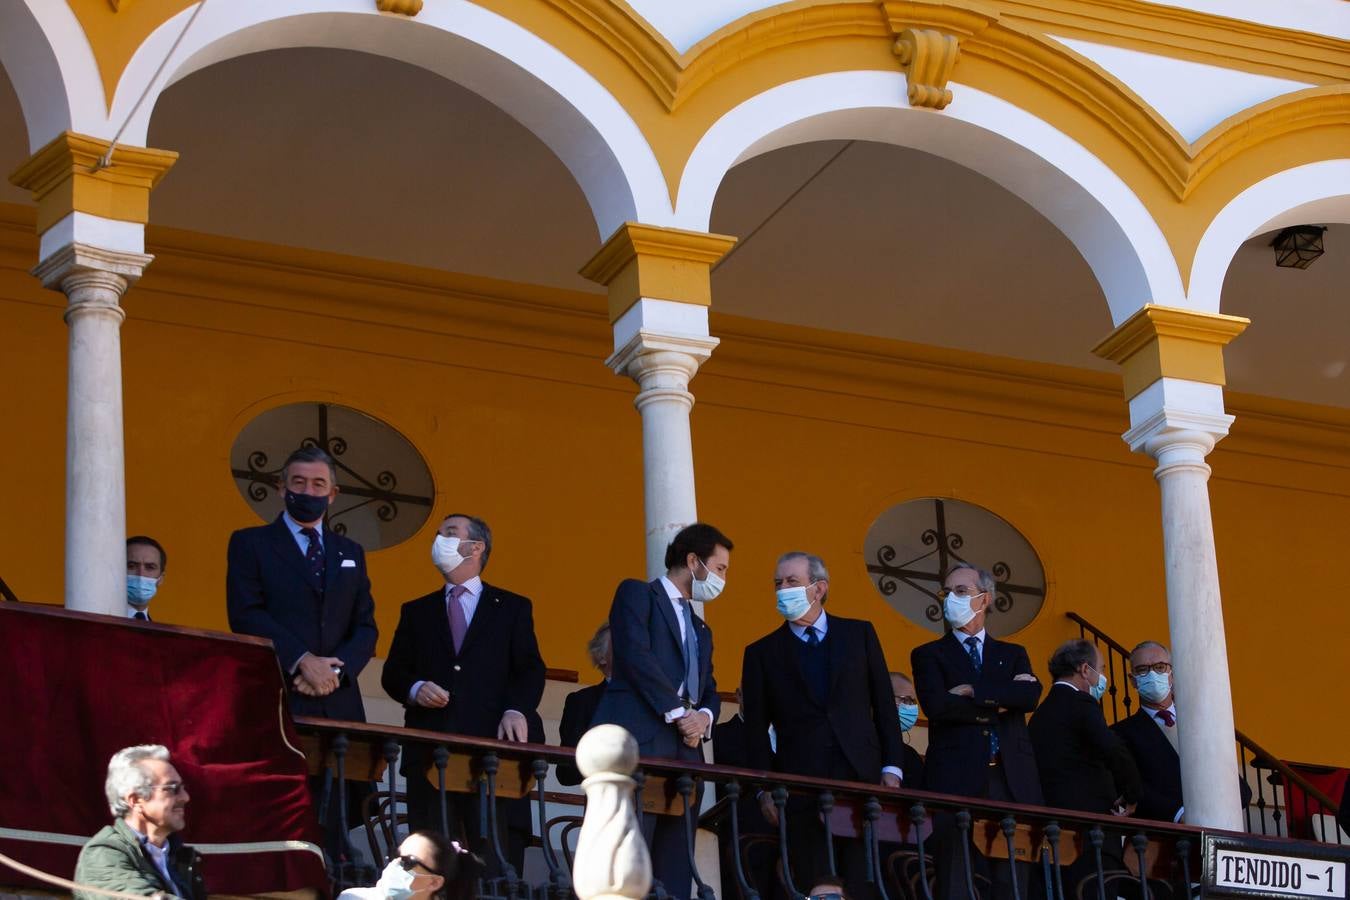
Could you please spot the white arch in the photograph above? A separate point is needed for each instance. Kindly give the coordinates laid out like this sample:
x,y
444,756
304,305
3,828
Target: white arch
x,y
1072,188
51,65
548,93
1309,194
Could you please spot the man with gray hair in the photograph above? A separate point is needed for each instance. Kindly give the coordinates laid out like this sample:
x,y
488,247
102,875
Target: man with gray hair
x,y
141,852
976,692
821,681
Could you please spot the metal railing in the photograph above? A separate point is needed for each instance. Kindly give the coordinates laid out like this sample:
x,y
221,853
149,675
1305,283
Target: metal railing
x,y
897,828
1284,803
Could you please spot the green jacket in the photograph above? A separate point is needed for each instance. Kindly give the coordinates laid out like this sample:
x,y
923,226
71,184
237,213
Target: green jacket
x,y
113,860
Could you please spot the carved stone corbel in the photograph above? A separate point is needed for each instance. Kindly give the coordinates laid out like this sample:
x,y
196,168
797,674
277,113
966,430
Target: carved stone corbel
x,y
402,7
928,42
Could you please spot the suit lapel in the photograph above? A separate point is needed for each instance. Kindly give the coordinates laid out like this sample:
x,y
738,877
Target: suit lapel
x,y
284,543
667,608
439,615
333,555
834,646
957,653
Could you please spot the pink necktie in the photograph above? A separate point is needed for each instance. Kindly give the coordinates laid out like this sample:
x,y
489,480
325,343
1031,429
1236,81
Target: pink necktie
x,y
457,623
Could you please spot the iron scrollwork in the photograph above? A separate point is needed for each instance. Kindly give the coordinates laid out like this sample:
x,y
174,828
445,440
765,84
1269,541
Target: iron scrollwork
x,y
947,547
263,479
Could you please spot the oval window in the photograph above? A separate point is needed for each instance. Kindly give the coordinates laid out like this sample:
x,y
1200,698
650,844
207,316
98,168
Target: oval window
x,y
912,545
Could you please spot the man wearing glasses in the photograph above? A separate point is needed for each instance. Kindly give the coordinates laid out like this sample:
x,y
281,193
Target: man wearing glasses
x,y
141,852
1151,736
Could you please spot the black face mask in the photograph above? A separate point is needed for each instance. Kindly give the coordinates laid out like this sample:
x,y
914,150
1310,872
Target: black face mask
x,y
306,507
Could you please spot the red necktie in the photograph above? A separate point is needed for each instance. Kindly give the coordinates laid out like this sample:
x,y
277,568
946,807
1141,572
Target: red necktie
x,y
1168,719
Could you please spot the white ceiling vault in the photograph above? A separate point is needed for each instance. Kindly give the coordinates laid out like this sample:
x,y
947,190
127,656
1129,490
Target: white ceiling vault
x,y
376,158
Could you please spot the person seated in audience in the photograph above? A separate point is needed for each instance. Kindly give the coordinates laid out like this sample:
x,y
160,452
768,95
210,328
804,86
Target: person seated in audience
x,y
146,562
828,889
580,706
907,708
141,852
428,865
1151,736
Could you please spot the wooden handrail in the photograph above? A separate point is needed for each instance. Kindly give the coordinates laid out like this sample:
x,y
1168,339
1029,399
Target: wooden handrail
x,y
1290,775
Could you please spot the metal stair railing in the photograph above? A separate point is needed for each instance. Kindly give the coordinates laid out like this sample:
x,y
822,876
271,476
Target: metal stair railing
x,y
1314,813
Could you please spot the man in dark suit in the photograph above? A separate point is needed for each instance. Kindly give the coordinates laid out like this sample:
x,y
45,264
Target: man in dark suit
x,y
907,710
976,692
305,587
464,660
580,706
662,690
1083,764
1151,736
146,562
822,682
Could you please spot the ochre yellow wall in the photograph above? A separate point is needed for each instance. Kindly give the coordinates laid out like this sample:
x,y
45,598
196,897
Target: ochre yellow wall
x,y
503,390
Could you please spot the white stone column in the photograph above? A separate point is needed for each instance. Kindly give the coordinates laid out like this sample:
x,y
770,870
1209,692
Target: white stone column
x,y
93,280
662,365
1178,423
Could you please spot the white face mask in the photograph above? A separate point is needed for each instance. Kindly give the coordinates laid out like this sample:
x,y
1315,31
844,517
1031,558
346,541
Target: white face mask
x,y
707,589
396,882
445,553
957,609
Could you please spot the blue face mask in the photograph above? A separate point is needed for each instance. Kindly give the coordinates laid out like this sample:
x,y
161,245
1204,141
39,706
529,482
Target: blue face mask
x,y
909,714
793,602
1154,686
1098,690
140,589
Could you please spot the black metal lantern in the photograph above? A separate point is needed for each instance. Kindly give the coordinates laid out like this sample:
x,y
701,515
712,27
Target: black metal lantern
x,y
1298,247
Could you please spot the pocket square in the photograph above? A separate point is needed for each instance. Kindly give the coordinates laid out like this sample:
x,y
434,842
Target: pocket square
x,y
349,564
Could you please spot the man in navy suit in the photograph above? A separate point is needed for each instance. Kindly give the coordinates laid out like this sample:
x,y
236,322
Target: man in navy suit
x,y
976,692
821,682
464,660
662,690
304,586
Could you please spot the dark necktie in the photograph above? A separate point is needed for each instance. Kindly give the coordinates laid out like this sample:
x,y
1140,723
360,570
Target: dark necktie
x,y
812,636
973,648
140,614
1168,719
691,686
314,555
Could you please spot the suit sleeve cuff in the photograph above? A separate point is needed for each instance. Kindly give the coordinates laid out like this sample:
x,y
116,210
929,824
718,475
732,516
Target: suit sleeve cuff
x,y
676,713
295,666
893,770
1180,812
412,693
707,734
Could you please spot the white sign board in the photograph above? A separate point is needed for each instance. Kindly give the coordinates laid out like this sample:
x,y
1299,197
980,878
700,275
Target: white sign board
x,y
1267,873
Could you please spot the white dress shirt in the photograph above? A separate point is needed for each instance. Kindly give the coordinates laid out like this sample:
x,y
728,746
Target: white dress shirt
x,y
673,593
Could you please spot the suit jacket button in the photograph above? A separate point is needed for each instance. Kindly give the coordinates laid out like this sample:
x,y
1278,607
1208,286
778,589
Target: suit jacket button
x,y
985,732
456,668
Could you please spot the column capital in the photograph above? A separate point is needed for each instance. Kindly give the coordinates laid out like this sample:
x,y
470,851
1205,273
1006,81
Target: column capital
x,y
67,176
647,352
119,267
1161,342
656,263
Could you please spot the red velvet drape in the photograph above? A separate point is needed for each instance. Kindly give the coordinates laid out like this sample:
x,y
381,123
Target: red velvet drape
x,y
76,688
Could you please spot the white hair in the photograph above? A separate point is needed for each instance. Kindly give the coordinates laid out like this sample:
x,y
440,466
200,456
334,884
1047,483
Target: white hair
x,y
126,775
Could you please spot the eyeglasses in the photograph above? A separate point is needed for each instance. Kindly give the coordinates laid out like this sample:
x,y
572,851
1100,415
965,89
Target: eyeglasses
x,y
410,862
172,788
833,895
906,699
963,592
1162,668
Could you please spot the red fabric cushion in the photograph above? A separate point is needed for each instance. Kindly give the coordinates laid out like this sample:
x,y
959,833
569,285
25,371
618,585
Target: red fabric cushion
x,y
80,687
1300,808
